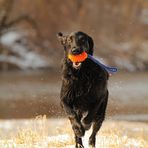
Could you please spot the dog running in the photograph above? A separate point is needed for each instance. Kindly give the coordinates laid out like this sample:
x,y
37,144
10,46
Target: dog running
x,y
84,93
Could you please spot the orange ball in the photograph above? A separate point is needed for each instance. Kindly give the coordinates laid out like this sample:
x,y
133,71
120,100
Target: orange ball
x,y
78,58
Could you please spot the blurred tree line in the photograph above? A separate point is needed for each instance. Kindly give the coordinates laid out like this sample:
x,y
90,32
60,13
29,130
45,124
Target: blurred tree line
x,y
119,29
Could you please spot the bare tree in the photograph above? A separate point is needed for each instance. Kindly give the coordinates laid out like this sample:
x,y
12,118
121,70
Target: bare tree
x,y
6,8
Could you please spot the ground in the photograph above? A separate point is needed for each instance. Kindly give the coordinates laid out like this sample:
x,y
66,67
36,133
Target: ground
x,y
25,95
57,133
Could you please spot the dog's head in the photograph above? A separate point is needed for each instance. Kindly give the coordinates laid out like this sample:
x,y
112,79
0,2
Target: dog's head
x,y
75,44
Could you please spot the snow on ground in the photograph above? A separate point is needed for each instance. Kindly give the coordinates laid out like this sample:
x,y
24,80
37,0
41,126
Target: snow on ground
x,y
27,58
57,133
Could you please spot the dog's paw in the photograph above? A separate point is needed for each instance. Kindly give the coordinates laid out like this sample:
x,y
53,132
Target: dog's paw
x,y
79,146
86,124
78,130
92,140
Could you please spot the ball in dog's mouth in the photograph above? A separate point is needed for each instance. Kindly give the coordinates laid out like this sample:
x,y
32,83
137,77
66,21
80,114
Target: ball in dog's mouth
x,y
76,65
77,59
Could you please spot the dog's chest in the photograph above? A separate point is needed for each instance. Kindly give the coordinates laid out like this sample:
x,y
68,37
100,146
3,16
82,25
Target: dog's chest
x,y
83,94
81,89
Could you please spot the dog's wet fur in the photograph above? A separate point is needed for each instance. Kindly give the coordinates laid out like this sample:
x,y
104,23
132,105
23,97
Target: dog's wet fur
x,y
84,93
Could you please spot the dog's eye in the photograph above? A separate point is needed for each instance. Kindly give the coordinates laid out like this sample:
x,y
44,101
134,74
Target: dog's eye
x,y
69,40
82,40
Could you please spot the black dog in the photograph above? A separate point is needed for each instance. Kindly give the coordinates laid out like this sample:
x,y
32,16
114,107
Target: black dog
x,y
84,93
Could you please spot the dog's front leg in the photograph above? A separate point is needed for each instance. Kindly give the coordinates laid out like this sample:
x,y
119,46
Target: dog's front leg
x,y
74,119
77,127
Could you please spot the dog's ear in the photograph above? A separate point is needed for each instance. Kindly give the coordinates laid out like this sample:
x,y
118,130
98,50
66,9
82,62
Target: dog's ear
x,y
91,45
62,39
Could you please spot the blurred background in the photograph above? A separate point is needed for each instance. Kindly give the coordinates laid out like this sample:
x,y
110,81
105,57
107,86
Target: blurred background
x,y
30,55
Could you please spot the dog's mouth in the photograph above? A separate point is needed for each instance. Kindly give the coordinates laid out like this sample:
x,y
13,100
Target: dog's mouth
x,y
76,65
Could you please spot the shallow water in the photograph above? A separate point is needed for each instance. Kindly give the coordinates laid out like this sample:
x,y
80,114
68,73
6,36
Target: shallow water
x,y
28,94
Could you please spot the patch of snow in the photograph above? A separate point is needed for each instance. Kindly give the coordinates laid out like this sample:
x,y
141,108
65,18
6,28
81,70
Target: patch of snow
x,y
9,38
144,16
133,143
137,117
26,59
62,138
7,125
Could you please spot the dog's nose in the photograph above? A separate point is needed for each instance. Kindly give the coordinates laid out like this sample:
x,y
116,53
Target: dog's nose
x,y
76,51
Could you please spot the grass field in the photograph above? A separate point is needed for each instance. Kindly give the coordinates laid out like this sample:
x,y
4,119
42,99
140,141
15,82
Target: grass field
x,y
57,133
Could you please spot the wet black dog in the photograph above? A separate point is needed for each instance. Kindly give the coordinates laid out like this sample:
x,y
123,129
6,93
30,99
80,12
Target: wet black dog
x,y
84,93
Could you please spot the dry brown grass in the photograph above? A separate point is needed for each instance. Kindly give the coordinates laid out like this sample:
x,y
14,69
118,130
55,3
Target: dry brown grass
x,y
57,133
